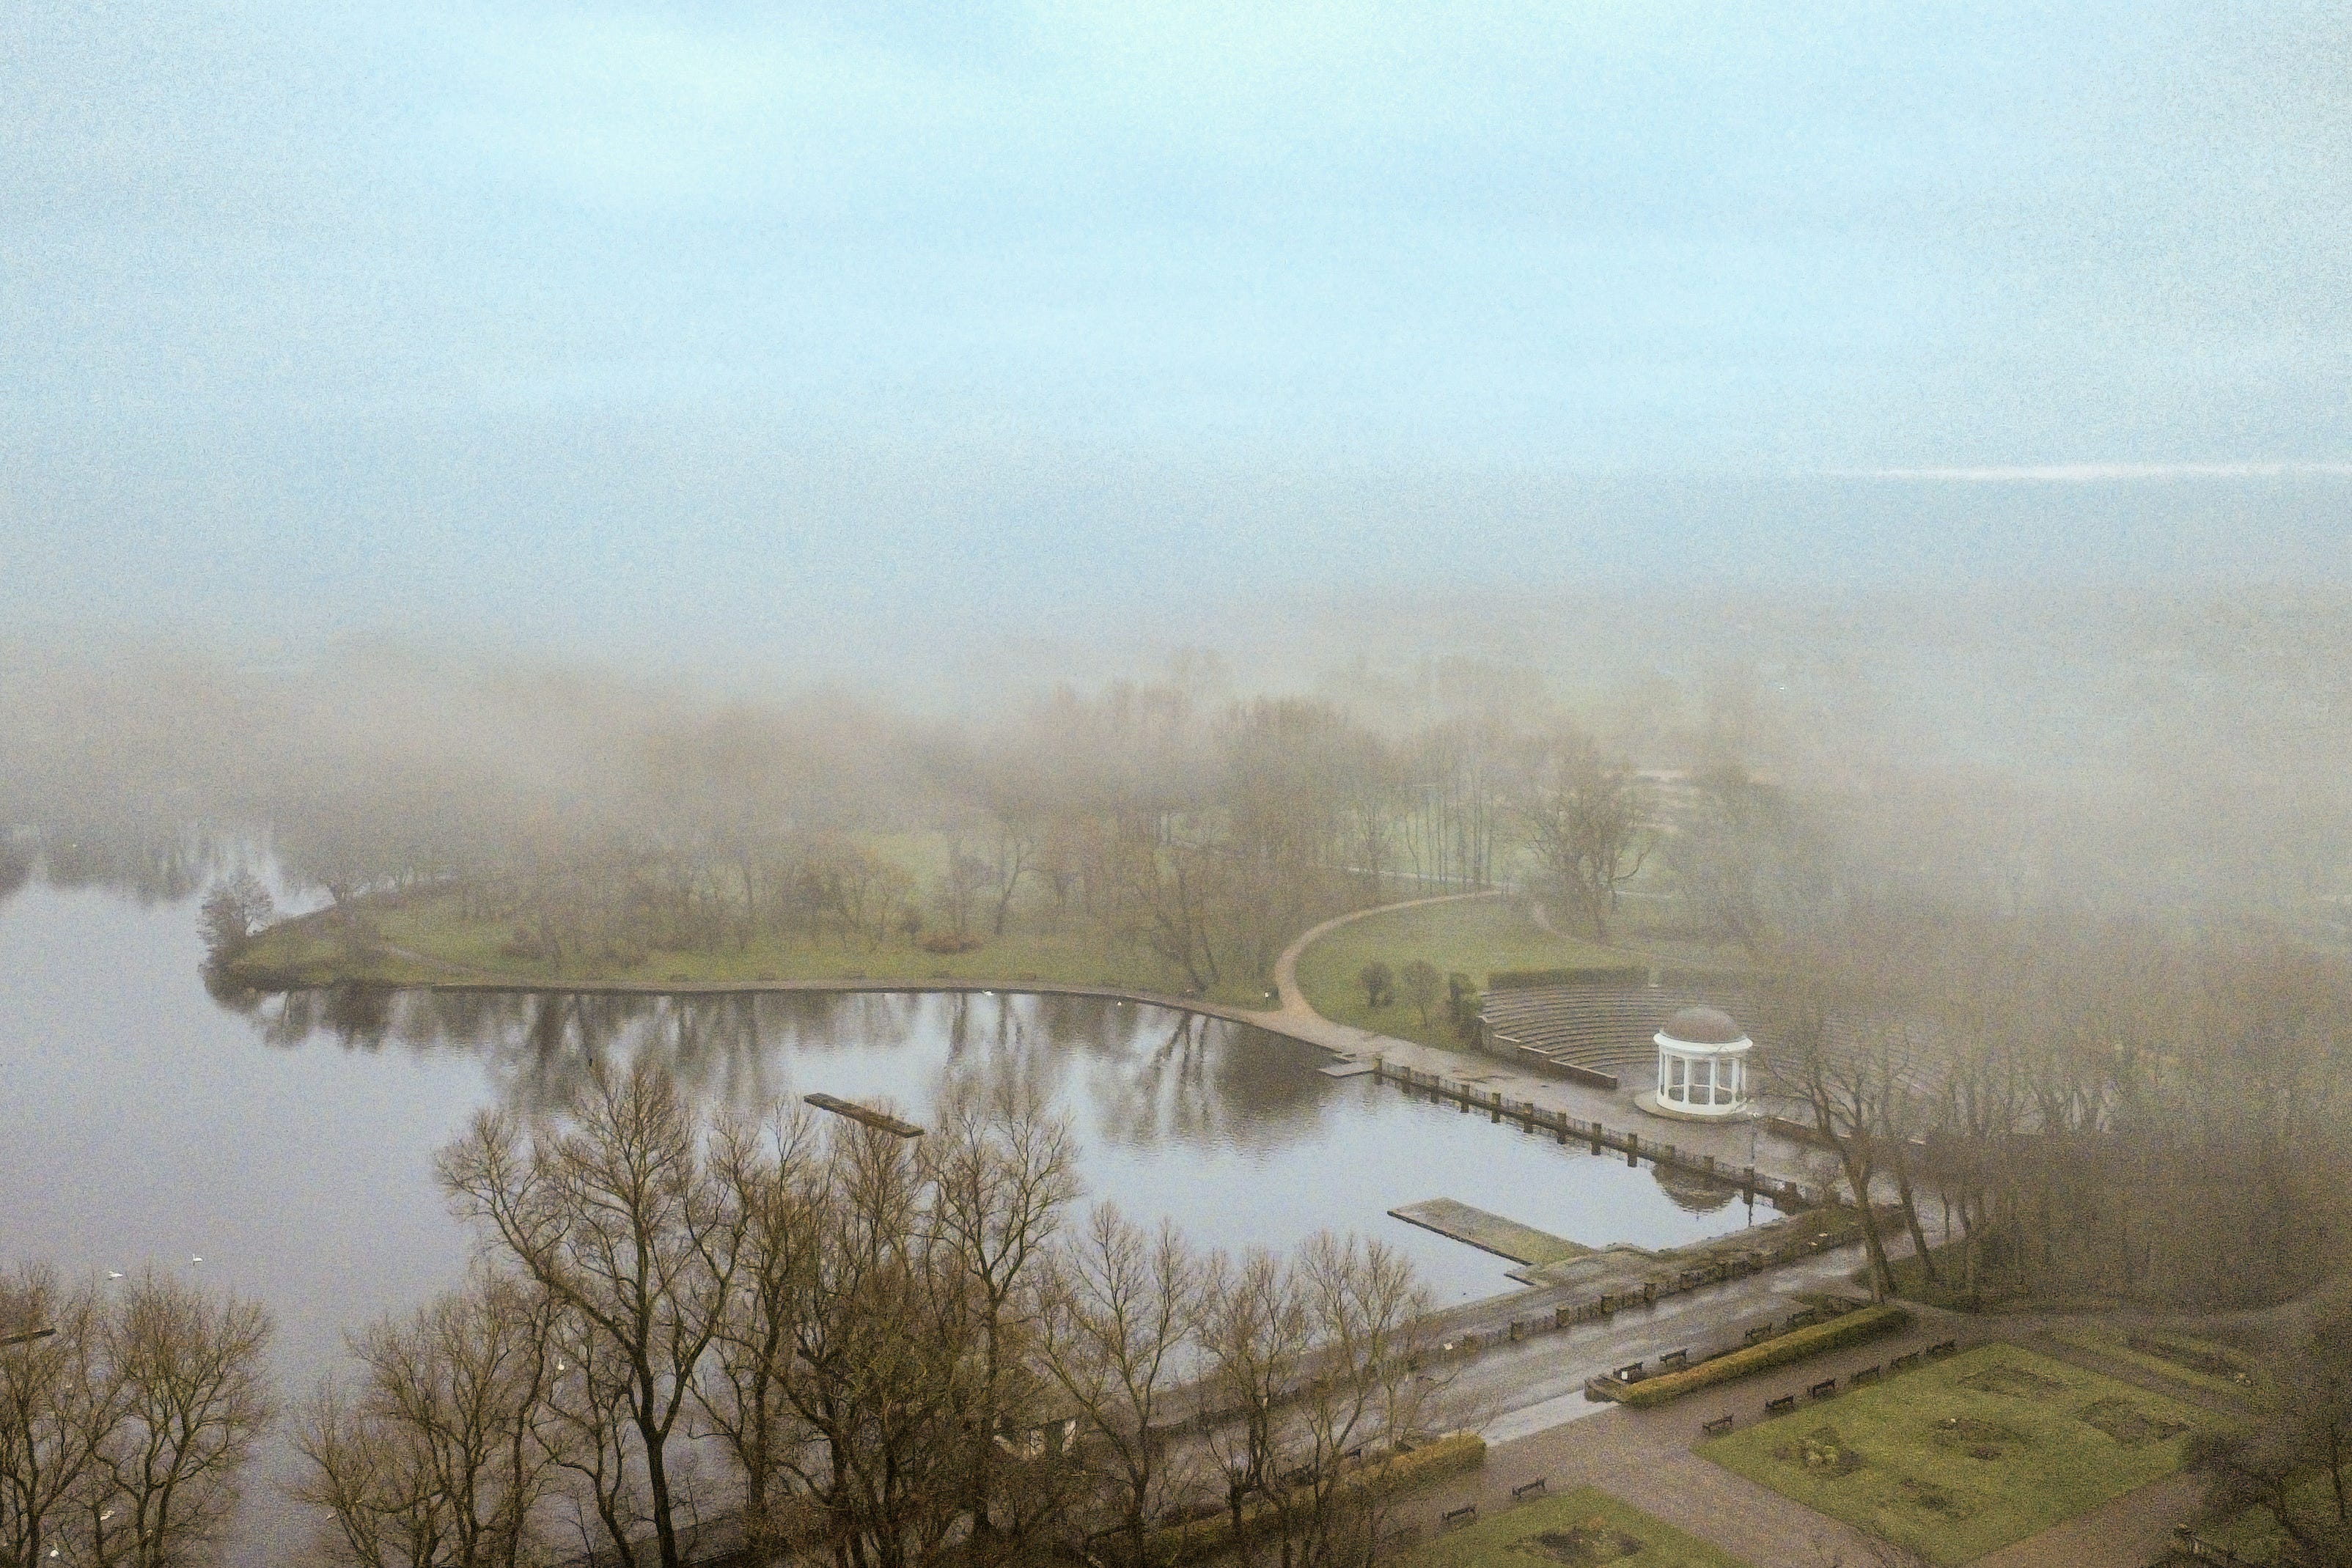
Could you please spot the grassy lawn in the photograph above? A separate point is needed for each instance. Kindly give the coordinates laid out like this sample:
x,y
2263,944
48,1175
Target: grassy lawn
x,y
435,926
2195,1362
1571,1530
1960,1458
1475,936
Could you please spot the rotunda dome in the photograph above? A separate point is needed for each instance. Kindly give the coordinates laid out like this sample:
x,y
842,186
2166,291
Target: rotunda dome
x,y
1703,1026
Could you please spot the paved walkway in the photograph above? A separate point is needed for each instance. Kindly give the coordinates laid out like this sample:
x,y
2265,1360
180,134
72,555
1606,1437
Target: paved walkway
x,y
2127,1531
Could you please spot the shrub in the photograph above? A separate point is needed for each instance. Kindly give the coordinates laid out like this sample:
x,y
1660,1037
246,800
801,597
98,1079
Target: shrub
x,y
1379,984
948,942
1421,982
1853,1328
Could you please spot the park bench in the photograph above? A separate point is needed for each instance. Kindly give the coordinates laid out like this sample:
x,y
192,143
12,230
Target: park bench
x,y
1674,1358
1462,1515
1781,1407
1630,1372
1528,1488
1761,1332
1716,1427
1905,1363
1868,1374
1823,1389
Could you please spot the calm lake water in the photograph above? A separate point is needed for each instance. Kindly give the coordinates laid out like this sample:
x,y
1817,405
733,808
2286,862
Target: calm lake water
x,y
288,1145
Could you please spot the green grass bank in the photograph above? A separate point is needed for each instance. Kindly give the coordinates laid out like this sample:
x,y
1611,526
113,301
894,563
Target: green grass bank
x,y
422,937
1473,937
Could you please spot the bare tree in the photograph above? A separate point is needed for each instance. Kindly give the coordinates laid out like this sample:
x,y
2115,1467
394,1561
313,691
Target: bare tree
x,y
1819,1008
624,1223
1253,1328
1014,836
58,1408
768,1172
593,1399
961,883
1423,984
1001,1169
875,1363
232,912
443,1456
194,1399
1361,1395
1118,1311
1588,820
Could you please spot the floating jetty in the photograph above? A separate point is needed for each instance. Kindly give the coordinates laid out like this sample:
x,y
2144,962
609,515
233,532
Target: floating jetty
x,y
1503,1238
866,1114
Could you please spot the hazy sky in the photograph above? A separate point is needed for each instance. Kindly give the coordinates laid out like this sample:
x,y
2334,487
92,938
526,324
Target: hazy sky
x,y
578,316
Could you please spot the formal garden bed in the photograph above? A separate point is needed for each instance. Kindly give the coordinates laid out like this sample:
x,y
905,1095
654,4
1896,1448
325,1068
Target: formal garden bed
x,y
2193,1363
1581,1528
1960,1457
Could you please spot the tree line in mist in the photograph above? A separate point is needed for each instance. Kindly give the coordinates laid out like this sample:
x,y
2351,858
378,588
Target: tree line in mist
x,y
2081,758
2115,1111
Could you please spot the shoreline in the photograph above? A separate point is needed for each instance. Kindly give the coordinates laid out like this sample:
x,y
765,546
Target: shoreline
x,y
1270,1019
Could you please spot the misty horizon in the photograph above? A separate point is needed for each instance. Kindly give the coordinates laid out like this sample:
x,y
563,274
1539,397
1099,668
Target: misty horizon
x,y
809,337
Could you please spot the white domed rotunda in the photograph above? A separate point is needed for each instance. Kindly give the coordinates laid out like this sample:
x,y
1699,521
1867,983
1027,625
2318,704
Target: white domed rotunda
x,y
1702,1067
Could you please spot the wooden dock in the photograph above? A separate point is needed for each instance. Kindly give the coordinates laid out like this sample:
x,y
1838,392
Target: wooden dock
x,y
1488,1232
866,1114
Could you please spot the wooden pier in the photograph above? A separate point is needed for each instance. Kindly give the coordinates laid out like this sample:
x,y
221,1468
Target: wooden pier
x,y
866,1114
1786,1196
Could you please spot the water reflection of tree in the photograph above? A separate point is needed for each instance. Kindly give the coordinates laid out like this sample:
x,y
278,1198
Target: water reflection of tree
x,y
15,866
1141,1076
149,866
1198,1080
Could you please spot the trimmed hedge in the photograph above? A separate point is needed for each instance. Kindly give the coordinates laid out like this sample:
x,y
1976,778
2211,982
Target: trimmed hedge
x,y
1522,979
1868,1322
1399,1472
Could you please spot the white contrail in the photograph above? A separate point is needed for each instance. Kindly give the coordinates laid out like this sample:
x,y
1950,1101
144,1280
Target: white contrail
x,y
2092,473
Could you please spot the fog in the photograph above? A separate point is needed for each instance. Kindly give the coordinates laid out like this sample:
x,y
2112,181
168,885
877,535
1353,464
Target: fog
x,y
2172,749
1840,510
